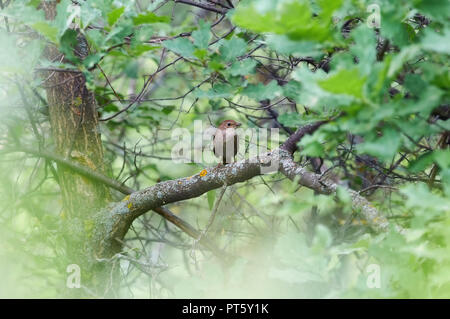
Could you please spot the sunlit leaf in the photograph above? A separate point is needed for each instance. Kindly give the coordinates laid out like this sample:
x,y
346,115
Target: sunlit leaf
x,y
150,17
114,15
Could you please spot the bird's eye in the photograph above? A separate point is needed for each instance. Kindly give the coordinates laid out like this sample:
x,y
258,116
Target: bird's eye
x,y
228,124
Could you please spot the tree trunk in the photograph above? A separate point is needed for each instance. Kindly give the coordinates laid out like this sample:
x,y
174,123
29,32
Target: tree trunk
x,y
75,132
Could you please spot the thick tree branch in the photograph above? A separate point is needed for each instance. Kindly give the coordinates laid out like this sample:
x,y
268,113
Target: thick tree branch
x,y
291,143
212,178
190,187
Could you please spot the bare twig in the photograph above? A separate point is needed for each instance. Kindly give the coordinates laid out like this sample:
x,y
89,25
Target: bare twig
x,y
202,6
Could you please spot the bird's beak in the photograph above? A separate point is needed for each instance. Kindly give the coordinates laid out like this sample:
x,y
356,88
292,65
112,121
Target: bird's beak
x,y
238,124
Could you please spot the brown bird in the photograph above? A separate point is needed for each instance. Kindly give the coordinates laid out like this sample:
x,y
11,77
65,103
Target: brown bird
x,y
225,142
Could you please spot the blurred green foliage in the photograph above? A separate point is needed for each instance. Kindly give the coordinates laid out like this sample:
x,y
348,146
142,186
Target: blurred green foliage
x,y
385,96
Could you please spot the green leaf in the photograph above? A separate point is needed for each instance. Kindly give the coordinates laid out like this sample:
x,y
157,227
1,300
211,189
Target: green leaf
x,y
437,42
322,237
218,91
114,15
442,158
211,195
91,60
392,28
12,56
343,195
202,35
345,81
277,19
421,163
202,54
385,147
405,54
47,30
215,65
429,99
66,13
434,8
414,84
139,49
68,42
110,108
294,18
18,10
120,30
284,45
291,89
244,67
89,14
150,17
364,48
132,69
312,145
181,46
168,109
261,92
233,48
419,196
290,119
143,33
95,38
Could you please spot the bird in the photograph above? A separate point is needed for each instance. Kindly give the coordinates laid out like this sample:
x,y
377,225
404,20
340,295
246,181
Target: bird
x,y
225,141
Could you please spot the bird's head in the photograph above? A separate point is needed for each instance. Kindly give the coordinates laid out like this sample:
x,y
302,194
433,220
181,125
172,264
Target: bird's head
x,y
229,124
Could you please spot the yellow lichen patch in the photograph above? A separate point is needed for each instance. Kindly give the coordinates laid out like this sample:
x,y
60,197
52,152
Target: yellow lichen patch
x,y
82,159
88,226
126,198
203,173
130,204
78,101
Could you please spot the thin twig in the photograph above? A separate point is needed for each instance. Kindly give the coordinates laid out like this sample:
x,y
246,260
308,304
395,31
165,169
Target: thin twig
x,y
202,6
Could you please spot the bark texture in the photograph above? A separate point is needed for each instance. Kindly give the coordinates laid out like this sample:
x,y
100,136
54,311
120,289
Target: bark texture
x,y
76,136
